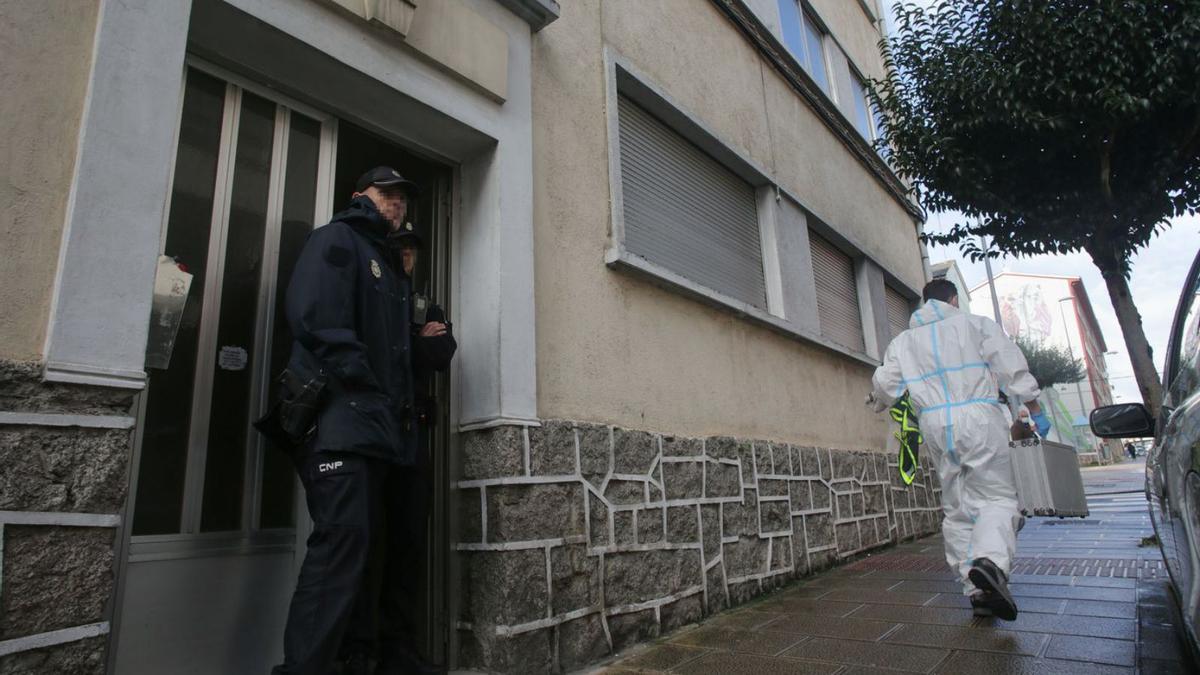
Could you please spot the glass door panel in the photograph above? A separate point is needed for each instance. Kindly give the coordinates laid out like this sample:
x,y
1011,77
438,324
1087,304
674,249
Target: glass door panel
x,y
244,198
299,205
158,508
231,400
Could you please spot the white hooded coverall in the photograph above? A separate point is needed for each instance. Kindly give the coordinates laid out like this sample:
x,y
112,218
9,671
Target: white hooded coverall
x,y
953,365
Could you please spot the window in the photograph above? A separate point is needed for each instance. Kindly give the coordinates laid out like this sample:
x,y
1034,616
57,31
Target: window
x,y
899,309
814,50
867,118
837,294
806,41
863,118
686,212
1183,357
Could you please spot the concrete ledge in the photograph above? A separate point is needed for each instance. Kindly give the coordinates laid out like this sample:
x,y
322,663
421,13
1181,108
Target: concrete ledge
x,y
65,420
52,638
59,519
623,260
537,13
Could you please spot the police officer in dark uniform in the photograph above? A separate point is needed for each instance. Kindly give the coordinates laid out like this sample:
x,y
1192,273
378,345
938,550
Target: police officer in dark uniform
x,y
349,309
409,488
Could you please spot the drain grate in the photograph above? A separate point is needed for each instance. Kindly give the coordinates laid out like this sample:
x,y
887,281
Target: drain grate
x,y
1126,568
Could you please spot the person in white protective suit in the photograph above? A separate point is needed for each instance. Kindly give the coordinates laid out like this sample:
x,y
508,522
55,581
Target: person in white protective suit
x,y
954,365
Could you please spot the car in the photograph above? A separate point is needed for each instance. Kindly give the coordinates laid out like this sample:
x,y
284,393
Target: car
x,y
1173,459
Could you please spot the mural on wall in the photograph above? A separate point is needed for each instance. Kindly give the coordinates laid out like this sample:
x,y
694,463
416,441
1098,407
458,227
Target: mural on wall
x,y
1025,312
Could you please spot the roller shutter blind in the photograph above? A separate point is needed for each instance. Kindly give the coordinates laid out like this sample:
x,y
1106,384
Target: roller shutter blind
x,y
837,294
899,309
686,212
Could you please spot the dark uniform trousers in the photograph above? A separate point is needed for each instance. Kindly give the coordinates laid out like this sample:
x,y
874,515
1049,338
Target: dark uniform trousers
x,y
342,491
363,574
389,606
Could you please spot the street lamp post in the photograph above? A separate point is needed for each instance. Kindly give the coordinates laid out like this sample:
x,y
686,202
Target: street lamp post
x,y
991,280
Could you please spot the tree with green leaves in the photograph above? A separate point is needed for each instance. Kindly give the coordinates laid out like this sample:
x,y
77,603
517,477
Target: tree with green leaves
x,y
1052,126
1048,364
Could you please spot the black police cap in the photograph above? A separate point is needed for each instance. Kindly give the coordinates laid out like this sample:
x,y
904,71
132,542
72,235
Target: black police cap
x,y
406,234
385,176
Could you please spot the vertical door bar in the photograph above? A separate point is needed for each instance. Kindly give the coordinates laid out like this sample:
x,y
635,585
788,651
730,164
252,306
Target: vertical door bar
x,y
439,623
193,491
261,378
327,168
326,200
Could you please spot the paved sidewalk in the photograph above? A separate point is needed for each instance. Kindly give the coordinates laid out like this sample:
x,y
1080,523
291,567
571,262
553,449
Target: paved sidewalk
x,y
1091,600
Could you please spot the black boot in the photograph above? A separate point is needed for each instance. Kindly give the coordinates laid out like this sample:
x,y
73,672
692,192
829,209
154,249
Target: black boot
x,y
980,604
994,584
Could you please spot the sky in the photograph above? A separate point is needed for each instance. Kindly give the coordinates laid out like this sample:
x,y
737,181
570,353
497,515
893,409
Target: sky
x,y
1159,271
1156,282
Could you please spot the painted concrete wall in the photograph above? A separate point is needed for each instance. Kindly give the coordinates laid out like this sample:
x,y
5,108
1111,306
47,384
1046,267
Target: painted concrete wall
x,y
615,349
44,72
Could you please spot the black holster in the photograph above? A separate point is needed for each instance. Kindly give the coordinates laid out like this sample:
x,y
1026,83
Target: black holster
x,y
292,418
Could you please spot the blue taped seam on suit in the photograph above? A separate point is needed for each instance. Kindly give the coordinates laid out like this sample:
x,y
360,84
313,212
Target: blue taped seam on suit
x,y
959,404
940,371
937,361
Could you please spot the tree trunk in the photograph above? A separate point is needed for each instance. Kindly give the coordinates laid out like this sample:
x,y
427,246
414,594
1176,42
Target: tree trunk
x,y
1140,354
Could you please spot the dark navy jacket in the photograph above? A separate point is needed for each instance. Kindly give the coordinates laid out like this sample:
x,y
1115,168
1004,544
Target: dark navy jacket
x,y
348,305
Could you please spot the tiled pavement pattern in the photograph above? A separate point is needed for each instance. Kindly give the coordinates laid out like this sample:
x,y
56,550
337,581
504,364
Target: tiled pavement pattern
x,y
901,610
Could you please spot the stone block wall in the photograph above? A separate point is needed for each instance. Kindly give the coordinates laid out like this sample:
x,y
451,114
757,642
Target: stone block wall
x,y
64,450
578,540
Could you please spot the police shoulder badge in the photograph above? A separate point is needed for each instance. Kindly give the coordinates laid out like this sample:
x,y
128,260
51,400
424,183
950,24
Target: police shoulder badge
x,y
375,269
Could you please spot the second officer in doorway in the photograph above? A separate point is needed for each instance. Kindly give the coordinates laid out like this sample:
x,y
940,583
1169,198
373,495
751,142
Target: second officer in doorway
x,y
389,620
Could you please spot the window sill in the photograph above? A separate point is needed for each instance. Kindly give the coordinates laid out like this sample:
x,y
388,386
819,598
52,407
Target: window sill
x,y
869,11
622,260
146,548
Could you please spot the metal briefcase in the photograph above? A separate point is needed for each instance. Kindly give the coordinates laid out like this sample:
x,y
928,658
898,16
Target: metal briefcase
x,y
1048,479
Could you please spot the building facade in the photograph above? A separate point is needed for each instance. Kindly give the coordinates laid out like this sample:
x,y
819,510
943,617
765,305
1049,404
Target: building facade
x,y
671,255
1057,311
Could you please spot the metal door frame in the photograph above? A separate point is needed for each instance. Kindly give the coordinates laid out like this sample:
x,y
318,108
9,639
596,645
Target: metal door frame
x,y
439,535
190,542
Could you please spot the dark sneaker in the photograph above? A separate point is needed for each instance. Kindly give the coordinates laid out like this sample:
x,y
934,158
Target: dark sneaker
x,y
994,584
979,604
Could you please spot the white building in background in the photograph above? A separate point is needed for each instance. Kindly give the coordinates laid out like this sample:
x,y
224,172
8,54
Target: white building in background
x,y
1056,310
950,271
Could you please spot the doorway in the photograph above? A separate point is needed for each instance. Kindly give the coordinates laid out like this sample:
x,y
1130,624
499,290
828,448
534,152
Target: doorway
x,y
216,518
357,151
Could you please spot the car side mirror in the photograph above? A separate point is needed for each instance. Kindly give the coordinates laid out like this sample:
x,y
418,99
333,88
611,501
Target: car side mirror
x,y
1124,420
